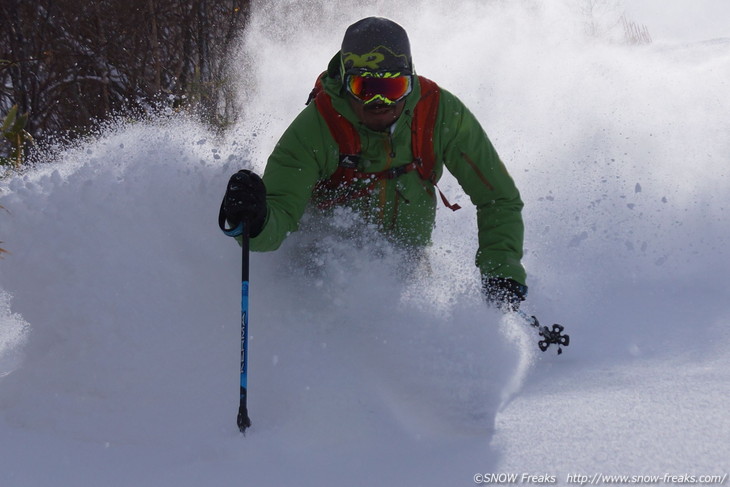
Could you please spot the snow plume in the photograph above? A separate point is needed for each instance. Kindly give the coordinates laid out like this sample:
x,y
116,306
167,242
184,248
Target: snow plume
x,y
119,302
13,335
427,344
129,291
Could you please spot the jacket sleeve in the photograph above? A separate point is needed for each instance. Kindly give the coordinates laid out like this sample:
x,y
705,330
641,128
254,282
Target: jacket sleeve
x,y
471,158
292,170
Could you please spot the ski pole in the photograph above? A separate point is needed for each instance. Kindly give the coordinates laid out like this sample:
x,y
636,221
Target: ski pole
x,y
242,230
550,336
243,420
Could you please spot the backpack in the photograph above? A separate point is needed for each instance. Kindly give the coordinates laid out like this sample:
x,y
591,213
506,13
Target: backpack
x,y
338,188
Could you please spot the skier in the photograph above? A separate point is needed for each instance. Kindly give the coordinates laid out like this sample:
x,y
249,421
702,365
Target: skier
x,y
376,138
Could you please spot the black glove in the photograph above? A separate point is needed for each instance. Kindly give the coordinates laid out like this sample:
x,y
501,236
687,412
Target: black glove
x,y
502,293
245,201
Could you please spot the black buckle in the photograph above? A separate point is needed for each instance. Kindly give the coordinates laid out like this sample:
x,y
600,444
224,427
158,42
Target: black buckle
x,y
395,172
349,161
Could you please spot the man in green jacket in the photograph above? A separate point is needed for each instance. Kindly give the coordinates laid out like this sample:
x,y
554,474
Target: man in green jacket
x,y
384,167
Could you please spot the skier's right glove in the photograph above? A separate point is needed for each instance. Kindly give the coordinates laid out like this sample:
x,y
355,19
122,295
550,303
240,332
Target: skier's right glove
x,y
245,201
502,293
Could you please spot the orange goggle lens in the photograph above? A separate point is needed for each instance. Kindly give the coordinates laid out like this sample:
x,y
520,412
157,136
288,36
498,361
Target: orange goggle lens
x,y
368,89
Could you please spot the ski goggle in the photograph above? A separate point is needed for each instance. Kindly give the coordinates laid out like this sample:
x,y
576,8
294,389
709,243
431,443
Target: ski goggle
x,y
388,88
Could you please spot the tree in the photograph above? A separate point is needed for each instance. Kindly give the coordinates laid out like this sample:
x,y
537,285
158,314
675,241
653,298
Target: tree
x,y
70,64
606,18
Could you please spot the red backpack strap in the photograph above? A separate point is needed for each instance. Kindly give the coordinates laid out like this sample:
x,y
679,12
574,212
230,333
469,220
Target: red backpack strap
x,y
424,120
344,133
424,124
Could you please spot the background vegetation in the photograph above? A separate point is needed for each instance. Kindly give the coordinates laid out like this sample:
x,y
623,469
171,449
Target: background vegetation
x,y
65,65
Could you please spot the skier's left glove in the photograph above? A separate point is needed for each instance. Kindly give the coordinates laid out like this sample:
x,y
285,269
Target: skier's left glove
x,y
502,293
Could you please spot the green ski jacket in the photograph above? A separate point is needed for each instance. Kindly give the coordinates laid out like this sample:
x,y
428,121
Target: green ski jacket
x,y
404,208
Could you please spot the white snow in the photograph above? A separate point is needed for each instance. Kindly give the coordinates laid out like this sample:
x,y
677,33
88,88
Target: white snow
x,y
119,319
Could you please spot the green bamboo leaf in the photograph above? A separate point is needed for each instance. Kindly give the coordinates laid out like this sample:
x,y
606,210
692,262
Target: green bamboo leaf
x,y
20,122
10,118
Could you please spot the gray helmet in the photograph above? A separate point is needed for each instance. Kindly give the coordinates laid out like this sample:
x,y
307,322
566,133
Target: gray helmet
x,y
378,45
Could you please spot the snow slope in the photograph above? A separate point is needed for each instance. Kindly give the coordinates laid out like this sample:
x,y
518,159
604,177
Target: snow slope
x,y
118,304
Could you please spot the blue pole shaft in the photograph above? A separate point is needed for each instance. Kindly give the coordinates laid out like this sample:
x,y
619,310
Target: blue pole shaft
x,y
243,420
